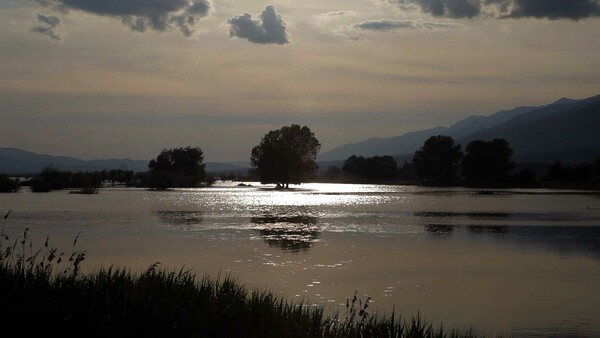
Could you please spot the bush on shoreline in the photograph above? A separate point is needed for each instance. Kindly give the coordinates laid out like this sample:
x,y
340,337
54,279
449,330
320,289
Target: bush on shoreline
x,y
8,185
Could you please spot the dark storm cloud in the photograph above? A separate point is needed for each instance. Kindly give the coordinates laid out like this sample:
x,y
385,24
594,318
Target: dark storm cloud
x,y
46,25
555,9
448,8
393,25
269,29
541,9
141,15
384,25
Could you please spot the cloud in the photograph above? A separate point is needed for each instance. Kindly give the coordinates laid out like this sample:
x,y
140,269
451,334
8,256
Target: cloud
x,y
552,9
393,25
335,15
447,8
47,25
269,29
141,15
541,9
385,25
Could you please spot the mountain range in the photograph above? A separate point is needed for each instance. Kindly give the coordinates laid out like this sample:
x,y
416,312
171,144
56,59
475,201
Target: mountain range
x,y
566,130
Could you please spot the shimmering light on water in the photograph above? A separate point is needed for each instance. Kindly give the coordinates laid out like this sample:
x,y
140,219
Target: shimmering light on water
x,y
525,261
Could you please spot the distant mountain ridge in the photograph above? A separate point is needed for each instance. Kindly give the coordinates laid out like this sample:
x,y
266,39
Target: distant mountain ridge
x,y
519,126
17,161
411,141
564,129
567,130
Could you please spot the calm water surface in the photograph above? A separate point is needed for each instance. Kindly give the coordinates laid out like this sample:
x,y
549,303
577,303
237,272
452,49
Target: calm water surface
x,y
519,261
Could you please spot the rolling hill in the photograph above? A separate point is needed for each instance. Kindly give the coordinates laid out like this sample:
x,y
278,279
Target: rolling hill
x,y
17,161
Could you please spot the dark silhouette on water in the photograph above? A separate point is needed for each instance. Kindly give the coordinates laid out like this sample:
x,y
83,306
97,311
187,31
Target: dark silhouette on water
x,y
562,240
494,229
286,156
472,215
441,229
188,218
177,167
290,233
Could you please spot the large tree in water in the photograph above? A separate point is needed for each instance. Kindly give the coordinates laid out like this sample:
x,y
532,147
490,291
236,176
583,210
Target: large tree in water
x,y
177,167
286,156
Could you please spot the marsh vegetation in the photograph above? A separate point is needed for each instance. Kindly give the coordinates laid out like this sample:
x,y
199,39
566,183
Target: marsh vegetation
x,y
47,288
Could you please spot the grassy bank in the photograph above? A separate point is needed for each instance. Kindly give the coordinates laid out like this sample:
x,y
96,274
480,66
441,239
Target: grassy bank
x,y
43,292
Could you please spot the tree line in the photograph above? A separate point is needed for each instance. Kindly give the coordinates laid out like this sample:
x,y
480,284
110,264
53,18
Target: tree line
x,y
283,157
442,161
52,178
288,156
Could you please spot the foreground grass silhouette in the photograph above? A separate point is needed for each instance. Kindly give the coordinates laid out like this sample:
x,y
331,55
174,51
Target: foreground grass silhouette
x,y
42,294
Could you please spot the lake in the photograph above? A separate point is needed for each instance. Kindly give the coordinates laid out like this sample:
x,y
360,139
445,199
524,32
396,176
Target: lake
x,y
522,261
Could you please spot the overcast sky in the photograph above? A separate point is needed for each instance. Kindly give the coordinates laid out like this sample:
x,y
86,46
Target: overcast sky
x,y
127,78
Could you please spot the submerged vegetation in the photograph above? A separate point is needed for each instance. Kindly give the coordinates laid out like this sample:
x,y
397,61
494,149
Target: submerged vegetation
x,y
49,291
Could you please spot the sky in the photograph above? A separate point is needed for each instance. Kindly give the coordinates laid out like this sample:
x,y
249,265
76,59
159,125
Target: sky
x,y
127,78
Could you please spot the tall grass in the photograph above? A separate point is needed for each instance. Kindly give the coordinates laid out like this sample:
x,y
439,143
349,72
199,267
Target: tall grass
x,y
43,294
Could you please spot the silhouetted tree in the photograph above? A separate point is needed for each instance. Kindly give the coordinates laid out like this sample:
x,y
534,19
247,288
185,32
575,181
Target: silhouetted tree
x,y
582,172
285,156
371,168
354,166
596,168
559,172
526,175
438,158
39,185
120,175
86,180
408,171
177,167
8,185
56,179
381,168
487,160
333,172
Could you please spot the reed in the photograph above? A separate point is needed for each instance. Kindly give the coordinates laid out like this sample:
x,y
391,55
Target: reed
x,y
51,296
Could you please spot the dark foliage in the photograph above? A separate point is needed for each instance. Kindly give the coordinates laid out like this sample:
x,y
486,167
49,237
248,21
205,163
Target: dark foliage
x,y
53,179
379,168
46,291
56,179
408,171
286,156
525,175
177,167
487,160
120,176
438,158
8,185
584,172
